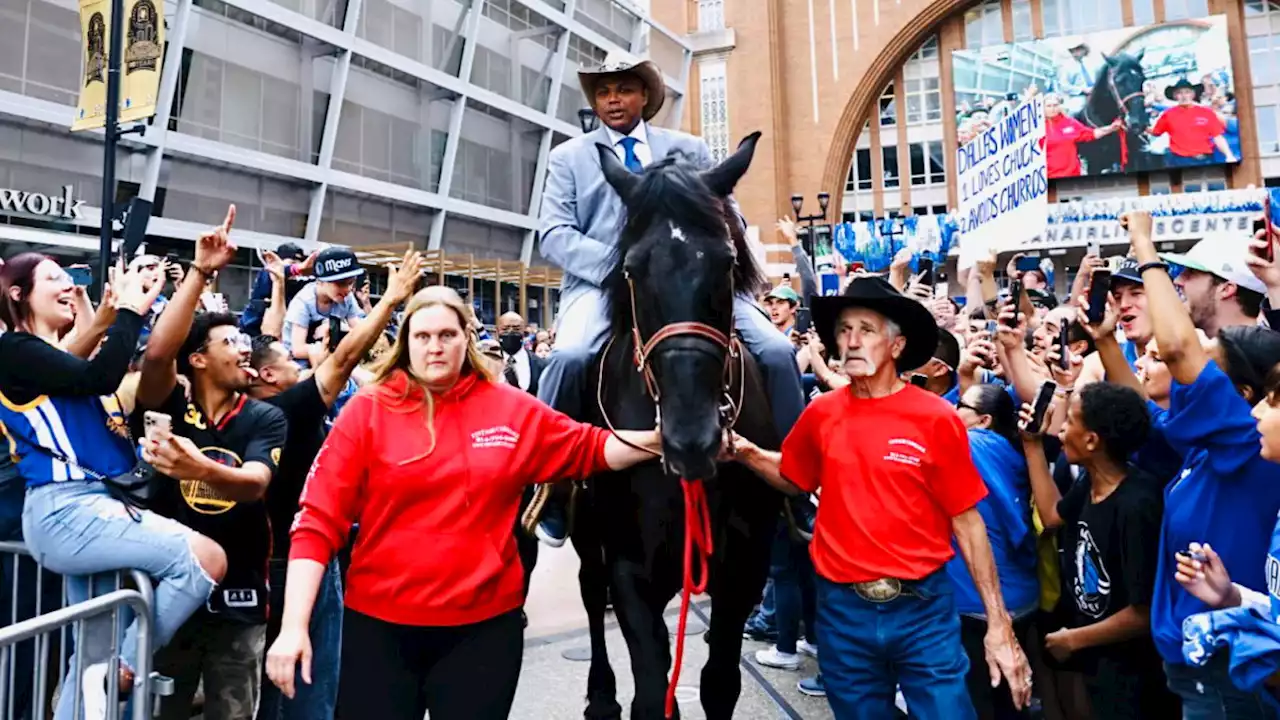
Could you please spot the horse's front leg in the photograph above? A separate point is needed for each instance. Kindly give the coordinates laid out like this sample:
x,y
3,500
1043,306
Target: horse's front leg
x,y
593,583
639,603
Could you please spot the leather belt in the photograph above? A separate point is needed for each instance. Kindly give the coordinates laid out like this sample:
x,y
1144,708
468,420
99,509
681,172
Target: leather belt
x,y
884,590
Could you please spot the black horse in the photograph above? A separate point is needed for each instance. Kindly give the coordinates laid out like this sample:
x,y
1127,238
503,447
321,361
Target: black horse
x,y
678,266
1117,93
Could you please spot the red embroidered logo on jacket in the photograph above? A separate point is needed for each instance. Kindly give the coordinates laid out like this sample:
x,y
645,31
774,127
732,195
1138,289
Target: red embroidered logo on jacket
x,y
503,437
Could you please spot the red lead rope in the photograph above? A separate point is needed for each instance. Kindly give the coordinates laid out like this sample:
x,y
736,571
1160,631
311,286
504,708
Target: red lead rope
x,y
697,536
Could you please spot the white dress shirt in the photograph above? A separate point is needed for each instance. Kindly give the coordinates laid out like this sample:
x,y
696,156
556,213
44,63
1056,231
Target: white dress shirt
x,y
522,368
641,133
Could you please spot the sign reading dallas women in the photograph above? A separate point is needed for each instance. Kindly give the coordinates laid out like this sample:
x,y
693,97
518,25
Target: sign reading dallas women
x,y
1003,184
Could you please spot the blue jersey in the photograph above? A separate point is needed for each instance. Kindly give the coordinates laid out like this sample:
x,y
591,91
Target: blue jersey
x,y
87,431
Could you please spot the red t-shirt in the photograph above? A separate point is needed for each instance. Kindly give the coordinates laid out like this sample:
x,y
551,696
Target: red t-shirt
x,y
893,472
1062,159
1191,129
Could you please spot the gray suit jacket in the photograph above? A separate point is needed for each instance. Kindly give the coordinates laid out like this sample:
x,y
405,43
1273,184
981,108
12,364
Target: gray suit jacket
x,y
582,215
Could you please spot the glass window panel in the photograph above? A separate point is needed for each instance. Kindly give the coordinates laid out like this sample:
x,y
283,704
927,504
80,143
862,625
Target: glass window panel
x,y
1022,30
199,193
491,170
53,52
1268,129
464,235
384,128
937,162
863,163
519,44
919,175
1144,12
889,155
241,107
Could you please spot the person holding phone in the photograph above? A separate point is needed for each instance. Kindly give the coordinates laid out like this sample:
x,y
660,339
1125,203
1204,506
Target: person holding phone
x,y
71,521
1226,494
1109,524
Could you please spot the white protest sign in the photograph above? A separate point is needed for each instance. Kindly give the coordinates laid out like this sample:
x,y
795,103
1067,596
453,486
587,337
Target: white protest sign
x,y
1003,184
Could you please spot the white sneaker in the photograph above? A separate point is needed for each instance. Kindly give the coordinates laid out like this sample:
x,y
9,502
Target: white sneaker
x,y
93,685
775,659
805,647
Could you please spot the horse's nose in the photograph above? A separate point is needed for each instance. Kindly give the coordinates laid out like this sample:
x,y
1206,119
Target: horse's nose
x,y
692,457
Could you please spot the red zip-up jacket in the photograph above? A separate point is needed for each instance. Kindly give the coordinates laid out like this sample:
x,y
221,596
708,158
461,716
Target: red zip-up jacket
x,y
435,546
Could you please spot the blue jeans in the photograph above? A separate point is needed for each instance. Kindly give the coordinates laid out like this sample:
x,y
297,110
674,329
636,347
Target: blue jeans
x,y
79,530
792,574
868,649
583,328
317,700
1208,694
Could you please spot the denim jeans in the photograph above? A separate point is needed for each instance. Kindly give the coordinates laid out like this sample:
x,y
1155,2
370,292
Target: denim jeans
x,y
869,648
317,700
1208,694
583,327
79,530
792,574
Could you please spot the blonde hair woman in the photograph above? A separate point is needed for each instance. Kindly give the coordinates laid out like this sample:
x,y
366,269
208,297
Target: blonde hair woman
x,y
431,460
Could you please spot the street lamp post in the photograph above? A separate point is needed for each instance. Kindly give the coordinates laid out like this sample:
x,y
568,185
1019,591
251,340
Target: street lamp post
x,y
797,203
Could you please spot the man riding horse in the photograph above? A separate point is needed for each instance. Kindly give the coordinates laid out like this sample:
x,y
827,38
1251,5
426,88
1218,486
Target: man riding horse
x,y
582,217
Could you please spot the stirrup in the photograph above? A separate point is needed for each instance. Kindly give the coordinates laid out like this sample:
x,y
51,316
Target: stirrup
x,y
533,513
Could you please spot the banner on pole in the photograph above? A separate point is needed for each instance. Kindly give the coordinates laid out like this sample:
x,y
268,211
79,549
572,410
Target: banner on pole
x,y
140,67
1003,184
94,25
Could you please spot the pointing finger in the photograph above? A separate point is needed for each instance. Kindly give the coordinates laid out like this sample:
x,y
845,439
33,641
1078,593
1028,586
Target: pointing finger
x,y
231,217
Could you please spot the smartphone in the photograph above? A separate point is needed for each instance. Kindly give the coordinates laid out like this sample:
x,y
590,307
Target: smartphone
x,y
1015,299
336,333
1099,289
1064,341
157,425
81,276
804,320
919,380
925,266
1027,263
1041,406
1095,248
1197,556
992,329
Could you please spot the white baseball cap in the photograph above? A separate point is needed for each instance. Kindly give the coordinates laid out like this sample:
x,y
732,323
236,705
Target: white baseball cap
x,y
1222,255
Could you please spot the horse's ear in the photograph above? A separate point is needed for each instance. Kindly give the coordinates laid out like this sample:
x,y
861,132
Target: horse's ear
x,y
1138,56
723,177
622,180
1110,60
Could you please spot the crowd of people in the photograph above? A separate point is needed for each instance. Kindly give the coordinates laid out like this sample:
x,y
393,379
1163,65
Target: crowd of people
x,y
1064,501
157,431
1112,516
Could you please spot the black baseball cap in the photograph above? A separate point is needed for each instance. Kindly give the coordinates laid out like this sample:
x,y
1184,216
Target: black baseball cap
x,y
1128,271
290,251
337,263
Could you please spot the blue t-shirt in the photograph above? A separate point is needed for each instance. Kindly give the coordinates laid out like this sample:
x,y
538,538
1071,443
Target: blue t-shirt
x,y
1006,511
304,310
1225,495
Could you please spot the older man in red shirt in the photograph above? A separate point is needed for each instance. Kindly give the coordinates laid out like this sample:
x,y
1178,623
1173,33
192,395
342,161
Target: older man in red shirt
x,y
897,484
1193,129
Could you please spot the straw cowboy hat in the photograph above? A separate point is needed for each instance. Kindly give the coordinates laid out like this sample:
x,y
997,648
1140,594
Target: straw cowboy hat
x,y
620,63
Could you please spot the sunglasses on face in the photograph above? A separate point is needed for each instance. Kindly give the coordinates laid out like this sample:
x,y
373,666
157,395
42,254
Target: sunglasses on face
x,y
962,405
237,341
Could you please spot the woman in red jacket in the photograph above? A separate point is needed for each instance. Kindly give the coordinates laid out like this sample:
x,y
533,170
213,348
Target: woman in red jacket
x,y
431,460
1061,135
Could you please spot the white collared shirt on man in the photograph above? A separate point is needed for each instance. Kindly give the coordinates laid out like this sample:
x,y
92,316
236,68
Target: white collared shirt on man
x,y
521,364
640,132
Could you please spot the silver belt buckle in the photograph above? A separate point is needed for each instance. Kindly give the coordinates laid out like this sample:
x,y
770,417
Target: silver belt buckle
x,y
879,591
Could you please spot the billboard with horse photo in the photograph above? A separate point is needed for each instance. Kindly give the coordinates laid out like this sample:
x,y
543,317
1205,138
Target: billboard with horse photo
x,y
1116,101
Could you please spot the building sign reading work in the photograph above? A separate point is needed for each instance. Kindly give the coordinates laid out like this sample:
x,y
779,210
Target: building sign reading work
x,y
64,206
1003,184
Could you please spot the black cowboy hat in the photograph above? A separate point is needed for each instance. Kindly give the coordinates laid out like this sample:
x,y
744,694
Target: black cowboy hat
x,y
874,293
618,63
1184,84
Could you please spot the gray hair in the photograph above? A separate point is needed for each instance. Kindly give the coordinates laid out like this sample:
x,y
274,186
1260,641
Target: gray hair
x,y
892,329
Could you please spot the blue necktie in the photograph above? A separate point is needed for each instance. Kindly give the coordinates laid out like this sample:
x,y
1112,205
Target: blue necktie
x,y
629,158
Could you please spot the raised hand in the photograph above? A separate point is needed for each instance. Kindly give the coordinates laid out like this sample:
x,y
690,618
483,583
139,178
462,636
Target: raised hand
x,y
214,249
403,280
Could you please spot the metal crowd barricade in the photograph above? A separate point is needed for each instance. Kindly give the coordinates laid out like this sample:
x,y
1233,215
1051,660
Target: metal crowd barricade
x,y
42,633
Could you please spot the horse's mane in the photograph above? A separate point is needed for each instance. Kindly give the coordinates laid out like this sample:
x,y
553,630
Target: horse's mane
x,y
671,189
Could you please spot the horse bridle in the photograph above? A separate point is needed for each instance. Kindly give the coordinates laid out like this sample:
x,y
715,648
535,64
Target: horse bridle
x,y
1121,101
644,350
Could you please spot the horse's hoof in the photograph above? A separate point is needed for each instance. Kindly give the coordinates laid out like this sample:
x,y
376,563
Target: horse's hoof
x,y
612,711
